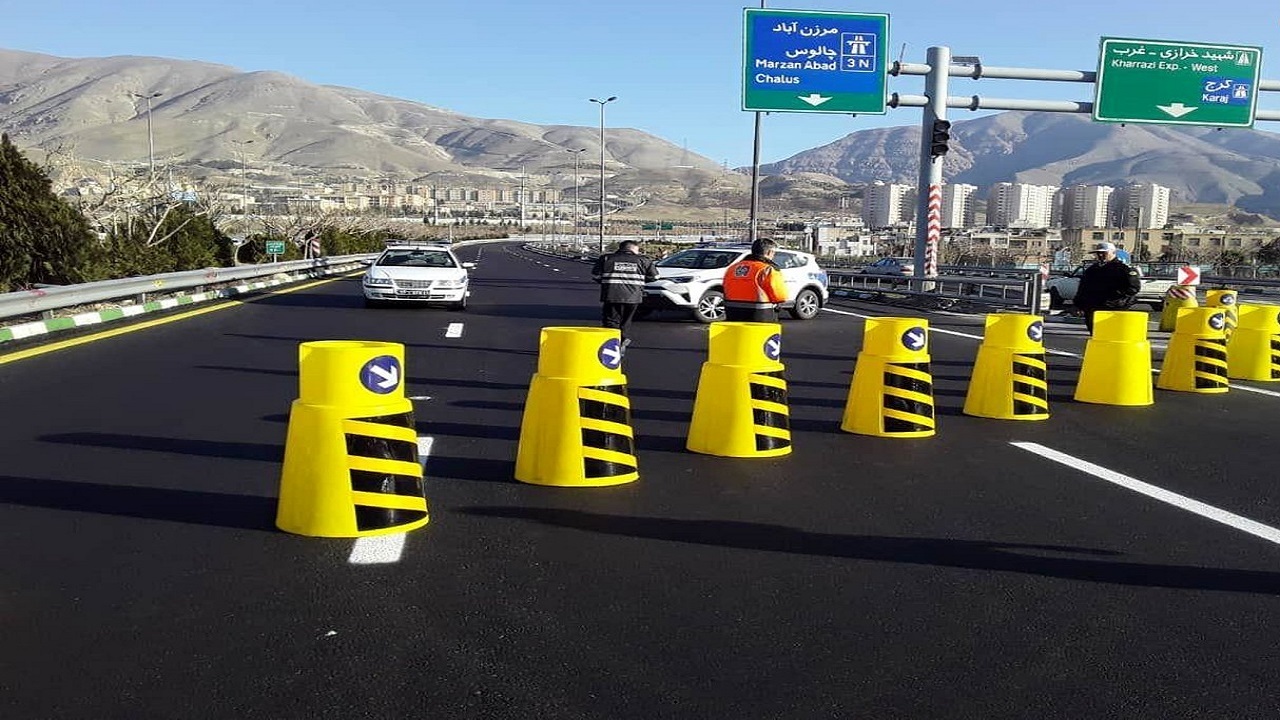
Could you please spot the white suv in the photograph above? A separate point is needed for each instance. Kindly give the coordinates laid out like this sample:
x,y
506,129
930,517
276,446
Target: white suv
x,y
417,272
693,281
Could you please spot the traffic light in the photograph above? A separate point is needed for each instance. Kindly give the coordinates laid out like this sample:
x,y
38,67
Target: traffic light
x,y
941,137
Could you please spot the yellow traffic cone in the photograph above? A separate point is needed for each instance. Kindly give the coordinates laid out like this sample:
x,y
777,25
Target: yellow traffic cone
x,y
351,464
1176,298
1196,360
1117,361
892,390
740,409
576,430
1010,376
1253,352
1226,300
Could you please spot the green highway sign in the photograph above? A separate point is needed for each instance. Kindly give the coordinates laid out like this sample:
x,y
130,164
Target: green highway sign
x,y
275,247
814,61
1176,83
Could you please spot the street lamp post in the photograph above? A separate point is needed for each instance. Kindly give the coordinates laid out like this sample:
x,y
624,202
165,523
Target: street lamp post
x,y
576,155
602,103
151,141
244,183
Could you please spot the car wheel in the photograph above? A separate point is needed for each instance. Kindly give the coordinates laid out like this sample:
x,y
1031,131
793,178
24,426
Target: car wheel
x,y
710,307
807,305
1055,299
460,305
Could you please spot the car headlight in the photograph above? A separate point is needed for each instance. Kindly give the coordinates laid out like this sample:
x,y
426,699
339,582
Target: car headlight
x,y
377,281
451,284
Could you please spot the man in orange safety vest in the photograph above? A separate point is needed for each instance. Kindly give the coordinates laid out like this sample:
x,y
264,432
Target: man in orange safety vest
x,y
753,286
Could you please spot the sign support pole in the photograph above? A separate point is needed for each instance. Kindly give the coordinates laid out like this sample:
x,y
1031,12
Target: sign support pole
x,y
928,229
753,220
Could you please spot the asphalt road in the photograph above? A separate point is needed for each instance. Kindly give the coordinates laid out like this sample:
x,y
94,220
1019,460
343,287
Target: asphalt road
x,y
958,576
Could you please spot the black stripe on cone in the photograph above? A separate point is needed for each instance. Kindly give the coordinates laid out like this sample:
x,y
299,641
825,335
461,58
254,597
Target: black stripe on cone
x,y
604,440
1212,371
770,418
370,517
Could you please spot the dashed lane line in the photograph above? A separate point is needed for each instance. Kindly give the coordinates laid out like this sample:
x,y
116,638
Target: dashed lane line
x,y
454,330
1243,524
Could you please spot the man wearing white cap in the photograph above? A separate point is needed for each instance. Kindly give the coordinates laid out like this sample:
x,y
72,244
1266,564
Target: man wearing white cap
x,y
1107,284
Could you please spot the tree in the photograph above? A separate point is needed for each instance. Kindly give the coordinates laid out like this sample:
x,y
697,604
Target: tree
x,y
1269,254
43,240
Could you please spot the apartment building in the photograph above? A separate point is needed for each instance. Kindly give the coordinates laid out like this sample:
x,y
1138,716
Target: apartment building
x,y
1142,205
1086,206
957,205
887,205
1020,205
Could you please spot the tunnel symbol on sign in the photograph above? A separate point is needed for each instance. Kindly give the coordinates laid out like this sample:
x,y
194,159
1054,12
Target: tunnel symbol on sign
x,y
381,375
610,354
1217,321
1036,331
914,339
773,347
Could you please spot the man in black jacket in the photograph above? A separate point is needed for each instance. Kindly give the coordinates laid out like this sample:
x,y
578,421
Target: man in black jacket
x,y
622,276
1107,284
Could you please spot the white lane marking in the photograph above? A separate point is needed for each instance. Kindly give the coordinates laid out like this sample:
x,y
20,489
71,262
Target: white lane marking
x,y
1050,351
1260,391
956,333
420,397
377,550
386,549
424,448
454,330
1244,524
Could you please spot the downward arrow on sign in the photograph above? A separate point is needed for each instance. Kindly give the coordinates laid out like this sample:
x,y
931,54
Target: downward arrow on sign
x,y
1177,109
814,99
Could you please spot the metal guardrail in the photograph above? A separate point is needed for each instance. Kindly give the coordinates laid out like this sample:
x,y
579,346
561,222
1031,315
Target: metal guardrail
x,y
30,302
1019,289
1011,287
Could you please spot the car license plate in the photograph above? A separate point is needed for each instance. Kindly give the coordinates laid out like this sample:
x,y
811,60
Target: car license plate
x,y
414,293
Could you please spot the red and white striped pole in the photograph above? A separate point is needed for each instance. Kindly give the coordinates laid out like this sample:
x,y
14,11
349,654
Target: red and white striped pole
x,y
929,187
933,232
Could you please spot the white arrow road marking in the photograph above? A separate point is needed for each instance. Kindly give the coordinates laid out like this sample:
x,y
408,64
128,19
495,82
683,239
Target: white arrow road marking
x,y
1244,524
1177,109
454,330
389,377
814,99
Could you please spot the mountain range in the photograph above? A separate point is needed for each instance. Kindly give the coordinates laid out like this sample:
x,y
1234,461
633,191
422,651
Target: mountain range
x,y
209,118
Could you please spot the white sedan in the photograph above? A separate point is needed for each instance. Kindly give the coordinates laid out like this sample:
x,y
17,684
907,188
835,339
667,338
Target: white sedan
x,y
420,273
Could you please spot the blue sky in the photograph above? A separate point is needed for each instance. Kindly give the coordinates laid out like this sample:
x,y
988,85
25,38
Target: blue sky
x,y
675,66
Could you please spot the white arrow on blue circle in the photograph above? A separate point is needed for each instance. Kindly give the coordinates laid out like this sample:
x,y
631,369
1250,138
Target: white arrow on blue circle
x,y
381,374
773,347
1217,321
610,354
1036,331
914,338
388,377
